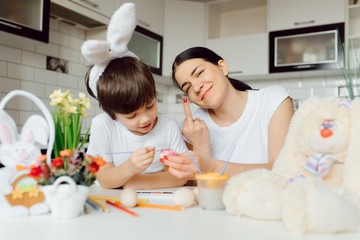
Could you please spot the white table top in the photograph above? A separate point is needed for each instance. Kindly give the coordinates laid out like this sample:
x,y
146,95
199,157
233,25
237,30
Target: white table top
x,y
158,224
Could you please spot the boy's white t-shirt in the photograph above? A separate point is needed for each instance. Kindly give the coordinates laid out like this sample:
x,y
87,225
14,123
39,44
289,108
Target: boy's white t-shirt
x,y
246,140
110,136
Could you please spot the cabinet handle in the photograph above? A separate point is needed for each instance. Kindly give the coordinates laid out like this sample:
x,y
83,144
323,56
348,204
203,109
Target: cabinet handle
x,y
10,25
235,72
89,3
306,22
304,66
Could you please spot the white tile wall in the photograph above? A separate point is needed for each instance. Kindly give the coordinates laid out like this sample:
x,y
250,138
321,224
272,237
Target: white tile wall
x,y
26,69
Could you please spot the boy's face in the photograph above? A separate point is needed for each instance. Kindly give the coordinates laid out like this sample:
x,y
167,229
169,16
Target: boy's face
x,y
142,120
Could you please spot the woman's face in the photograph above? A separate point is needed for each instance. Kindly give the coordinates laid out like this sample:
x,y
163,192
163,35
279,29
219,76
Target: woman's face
x,y
141,121
205,83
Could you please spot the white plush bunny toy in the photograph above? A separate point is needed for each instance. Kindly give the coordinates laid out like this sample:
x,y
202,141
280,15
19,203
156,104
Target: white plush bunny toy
x,y
19,193
314,186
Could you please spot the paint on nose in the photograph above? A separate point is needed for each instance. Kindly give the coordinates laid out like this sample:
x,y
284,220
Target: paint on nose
x,y
326,132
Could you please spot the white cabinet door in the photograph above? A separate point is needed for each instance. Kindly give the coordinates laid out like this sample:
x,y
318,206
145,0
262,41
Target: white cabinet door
x,y
149,13
105,8
245,55
288,14
184,27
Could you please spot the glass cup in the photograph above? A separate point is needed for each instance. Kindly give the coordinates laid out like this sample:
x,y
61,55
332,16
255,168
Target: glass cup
x,y
210,190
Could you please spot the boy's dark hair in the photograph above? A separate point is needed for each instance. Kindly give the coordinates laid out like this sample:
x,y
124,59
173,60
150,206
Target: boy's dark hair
x,y
125,86
207,55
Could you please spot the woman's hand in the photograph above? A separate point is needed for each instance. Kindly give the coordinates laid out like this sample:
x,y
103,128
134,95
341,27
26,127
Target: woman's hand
x,y
141,159
181,165
196,131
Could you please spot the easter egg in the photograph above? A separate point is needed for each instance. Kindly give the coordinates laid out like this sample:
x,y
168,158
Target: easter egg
x,y
184,197
128,197
166,152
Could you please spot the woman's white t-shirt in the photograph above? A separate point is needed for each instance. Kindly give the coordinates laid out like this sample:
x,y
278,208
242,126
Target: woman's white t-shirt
x,y
246,140
110,136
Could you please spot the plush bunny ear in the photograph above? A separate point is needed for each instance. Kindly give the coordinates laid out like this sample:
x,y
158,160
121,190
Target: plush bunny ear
x,y
8,130
38,126
119,32
96,52
121,28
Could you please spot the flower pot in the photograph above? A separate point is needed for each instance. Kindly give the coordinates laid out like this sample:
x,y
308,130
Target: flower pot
x,y
66,200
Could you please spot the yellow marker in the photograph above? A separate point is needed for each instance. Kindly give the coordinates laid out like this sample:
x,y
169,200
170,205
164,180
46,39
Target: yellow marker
x,y
166,207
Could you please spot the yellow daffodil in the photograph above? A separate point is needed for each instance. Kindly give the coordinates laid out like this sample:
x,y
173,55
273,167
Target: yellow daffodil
x,y
67,114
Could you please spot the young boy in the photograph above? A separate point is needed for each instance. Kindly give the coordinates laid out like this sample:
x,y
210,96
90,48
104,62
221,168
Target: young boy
x,y
130,134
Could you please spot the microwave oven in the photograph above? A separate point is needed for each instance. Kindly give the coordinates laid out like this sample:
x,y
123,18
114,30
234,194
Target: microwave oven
x,y
148,46
28,18
309,48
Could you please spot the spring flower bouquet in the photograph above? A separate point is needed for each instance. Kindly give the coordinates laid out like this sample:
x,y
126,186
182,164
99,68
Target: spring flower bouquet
x,y
78,170
82,168
69,158
67,114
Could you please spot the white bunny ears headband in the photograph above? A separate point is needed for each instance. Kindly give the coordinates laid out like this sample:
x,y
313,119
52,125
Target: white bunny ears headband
x,y
101,52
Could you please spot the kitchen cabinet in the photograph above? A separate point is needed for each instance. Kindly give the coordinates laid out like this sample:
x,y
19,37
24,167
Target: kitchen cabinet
x,y
354,23
289,14
184,23
234,18
105,8
245,55
149,13
243,46
85,13
353,28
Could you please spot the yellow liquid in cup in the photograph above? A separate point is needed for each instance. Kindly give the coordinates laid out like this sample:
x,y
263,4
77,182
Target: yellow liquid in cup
x,y
211,188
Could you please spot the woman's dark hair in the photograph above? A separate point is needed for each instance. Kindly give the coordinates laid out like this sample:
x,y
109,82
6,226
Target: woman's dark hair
x,y
125,86
207,55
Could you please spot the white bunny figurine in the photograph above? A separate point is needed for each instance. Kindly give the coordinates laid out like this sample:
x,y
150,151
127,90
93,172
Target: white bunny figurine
x,y
20,194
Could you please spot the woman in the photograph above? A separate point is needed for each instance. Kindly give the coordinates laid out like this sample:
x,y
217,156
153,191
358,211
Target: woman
x,y
247,127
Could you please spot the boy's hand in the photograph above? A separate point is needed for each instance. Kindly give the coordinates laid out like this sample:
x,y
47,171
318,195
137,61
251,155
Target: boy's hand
x,y
141,159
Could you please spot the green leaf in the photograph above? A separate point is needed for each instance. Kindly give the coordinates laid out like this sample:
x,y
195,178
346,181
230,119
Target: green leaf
x,y
85,138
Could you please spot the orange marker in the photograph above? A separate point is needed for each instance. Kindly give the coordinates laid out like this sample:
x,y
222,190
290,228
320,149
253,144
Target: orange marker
x,y
122,208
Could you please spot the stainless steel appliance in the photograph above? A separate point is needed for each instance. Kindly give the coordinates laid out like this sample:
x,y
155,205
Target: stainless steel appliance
x,y
27,18
148,46
310,48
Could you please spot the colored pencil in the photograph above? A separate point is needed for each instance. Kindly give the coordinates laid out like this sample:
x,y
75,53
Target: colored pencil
x,y
122,208
93,205
166,207
95,197
99,205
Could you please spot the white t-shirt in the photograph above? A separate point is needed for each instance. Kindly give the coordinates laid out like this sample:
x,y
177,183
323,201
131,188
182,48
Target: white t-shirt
x,y
109,136
246,140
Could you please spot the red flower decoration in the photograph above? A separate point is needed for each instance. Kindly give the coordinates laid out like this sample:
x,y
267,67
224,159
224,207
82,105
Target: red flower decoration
x,y
57,162
93,167
36,172
82,168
